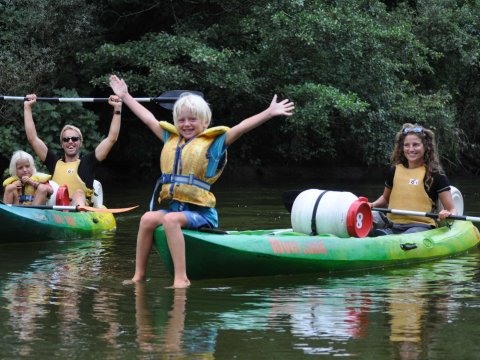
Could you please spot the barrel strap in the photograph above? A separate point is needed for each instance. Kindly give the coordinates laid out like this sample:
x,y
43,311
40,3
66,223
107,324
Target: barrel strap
x,y
314,214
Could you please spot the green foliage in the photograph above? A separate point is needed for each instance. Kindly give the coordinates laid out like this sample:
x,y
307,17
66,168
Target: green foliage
x,y
451,28
357,70
343,62
322,112
39,39
38,42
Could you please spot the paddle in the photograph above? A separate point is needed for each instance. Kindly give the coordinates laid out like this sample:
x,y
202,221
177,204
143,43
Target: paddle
x,y
426,214
74,208
165,100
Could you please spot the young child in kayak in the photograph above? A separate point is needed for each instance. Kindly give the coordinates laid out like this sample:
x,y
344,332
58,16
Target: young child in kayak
x,y
25,185
414,182
192,159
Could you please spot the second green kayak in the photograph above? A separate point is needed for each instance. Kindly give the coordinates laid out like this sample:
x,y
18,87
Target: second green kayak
x,y
276,252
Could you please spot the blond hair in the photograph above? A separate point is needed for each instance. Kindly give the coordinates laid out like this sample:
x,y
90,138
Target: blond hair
x,y
20,155
70,127
197,106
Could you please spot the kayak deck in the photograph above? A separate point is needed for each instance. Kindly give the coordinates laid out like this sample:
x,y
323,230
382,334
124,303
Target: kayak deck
x,y
275,252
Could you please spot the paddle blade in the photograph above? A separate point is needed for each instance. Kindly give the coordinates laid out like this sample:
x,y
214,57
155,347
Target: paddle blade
x,y
168,98
105,210
288,198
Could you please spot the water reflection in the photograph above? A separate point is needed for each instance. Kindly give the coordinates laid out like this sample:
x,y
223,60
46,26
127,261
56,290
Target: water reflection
x,y
106,311
65,300
52,286
146,337
163,329
170,340
401,310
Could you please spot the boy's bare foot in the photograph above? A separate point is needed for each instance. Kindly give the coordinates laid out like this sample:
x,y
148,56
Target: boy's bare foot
x,y
181,284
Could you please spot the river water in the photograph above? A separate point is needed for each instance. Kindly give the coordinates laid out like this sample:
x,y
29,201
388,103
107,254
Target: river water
x,y
65,299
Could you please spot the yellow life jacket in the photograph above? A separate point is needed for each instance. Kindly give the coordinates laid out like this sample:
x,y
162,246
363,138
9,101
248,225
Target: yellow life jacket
x,y
27,193
408,193
66,173
186,174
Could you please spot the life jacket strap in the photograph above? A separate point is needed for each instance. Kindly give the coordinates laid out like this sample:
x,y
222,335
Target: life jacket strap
x,y
185,179
24,198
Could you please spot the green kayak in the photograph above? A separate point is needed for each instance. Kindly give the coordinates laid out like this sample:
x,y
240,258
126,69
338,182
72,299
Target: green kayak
x,y
276,252
25,224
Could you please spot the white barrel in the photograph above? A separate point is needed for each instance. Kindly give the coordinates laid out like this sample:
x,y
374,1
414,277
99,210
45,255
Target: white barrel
x,y
331,212
457,200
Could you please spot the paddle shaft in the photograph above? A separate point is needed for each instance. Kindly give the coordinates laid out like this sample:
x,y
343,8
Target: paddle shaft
x,y
48,207
426,214
73,208
166,99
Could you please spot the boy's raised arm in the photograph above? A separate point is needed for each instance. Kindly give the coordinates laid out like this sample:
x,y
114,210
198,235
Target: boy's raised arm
x,y
120,88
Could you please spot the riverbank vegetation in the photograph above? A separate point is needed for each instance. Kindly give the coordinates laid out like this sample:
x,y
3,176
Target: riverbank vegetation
x,y
356,70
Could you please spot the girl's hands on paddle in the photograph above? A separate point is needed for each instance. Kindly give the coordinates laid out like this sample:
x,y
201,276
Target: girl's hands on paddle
x,y
118,86
445,214
448,205
284,107
31,100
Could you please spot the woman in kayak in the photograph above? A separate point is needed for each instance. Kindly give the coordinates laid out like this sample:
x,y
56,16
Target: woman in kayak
x,y
415,182
25,185
192,159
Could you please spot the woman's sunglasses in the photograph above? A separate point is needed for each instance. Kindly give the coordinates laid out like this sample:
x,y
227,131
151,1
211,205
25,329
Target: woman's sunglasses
x,y
416,129
73,138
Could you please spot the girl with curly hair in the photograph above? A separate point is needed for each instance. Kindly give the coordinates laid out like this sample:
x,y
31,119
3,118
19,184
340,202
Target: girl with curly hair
x,y
415,182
